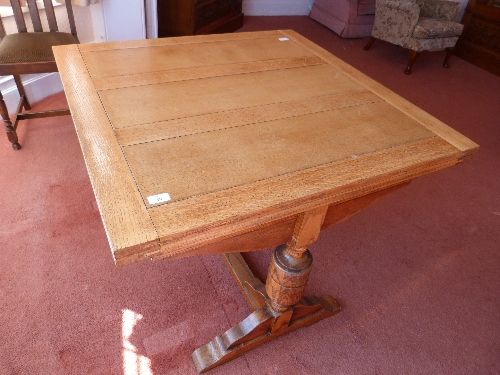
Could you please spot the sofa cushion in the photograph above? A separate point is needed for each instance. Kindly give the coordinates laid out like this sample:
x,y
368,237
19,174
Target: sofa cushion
x,y
433,28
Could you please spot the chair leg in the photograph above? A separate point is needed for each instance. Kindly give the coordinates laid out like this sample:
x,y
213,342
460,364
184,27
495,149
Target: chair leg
x,y
449,52
11,131
22,93
413,56
369,44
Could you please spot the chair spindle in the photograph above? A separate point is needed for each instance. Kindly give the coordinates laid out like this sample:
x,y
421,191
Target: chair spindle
x,y
71,18
51,16
35,17
2,29
18,16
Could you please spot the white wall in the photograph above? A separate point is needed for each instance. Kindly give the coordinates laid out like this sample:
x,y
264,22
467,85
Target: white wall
x,y
124,20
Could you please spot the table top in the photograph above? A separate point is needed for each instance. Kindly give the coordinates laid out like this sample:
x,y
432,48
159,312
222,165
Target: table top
x,y
192,140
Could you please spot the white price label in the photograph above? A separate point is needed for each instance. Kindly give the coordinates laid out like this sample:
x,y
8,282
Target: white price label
x,y
159,198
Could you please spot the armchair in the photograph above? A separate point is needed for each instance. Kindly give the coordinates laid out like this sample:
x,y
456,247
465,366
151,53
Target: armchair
x,y
418,25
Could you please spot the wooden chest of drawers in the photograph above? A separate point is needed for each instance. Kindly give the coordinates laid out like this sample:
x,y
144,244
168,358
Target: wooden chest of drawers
x,y
480,40
191,17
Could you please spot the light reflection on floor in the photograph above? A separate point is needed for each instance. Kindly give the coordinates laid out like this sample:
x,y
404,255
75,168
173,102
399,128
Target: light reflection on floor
x,y
133,363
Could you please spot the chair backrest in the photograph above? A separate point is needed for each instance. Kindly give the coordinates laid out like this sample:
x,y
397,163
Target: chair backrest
x,y
35,17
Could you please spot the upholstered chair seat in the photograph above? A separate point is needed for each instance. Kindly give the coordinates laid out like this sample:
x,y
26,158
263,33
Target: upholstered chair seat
x,y
31,47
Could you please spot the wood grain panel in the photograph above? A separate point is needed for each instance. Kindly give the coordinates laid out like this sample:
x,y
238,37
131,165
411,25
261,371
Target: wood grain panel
x,y
188,224
227,119
165,58
202,72
191,98
124,214
461,142
219,160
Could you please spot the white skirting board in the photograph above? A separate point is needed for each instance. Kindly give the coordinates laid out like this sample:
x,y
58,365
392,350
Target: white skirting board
x,y
37,87
277,7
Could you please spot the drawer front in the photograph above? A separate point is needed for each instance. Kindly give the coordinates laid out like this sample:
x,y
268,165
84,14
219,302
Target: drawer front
x,y
212,11
484,33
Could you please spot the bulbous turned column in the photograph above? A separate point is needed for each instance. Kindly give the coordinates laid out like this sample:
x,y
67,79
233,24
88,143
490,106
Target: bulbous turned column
x,y
287,277
291,263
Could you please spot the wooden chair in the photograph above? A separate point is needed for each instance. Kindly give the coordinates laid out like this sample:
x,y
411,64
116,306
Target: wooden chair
x,y
28,53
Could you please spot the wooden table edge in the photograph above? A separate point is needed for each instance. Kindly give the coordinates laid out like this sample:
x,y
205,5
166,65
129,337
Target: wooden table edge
x,y
123,212
192,242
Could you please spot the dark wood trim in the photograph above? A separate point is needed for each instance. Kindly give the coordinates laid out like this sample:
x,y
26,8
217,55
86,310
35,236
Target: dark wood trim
x,y
413,57
224,25
370,43
18,16
35,16
19,109
22,93
2,29
28,68
71,18
51,16
51,113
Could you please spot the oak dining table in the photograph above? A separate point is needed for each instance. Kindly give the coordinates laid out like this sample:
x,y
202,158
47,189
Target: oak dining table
x,y
239,142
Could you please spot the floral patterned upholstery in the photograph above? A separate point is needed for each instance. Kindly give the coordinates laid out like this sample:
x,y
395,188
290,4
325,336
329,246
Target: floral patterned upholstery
x,y
417,24
443,10
432,28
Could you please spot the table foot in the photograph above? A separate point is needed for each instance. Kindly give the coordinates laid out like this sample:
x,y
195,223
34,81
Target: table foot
x,y
259,327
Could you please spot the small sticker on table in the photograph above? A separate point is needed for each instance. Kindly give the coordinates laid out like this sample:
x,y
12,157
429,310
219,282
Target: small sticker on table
x,y
159,198
282,39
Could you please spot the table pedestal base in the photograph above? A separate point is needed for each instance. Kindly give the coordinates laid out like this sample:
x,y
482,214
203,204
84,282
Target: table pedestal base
x,y
279,306
263,324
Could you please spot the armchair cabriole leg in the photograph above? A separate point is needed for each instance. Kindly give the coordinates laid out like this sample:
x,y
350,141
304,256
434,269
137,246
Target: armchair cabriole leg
x,y
369,44
449,52
11,131
413,56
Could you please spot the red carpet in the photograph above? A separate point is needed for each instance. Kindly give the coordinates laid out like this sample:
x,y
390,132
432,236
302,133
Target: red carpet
x,y
417,274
